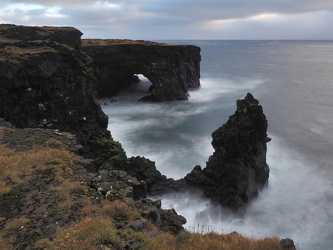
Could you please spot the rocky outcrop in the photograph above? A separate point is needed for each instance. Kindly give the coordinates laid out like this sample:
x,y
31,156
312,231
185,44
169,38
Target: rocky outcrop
x,y
237,169
47,84
145,170
114,185
287,244
235,172
172,69
63,35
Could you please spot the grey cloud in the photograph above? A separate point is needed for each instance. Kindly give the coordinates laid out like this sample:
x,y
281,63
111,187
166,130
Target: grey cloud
x,y
170,18
66,3
228,9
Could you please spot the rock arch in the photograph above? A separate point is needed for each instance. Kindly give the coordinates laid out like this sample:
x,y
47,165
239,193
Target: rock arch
x,y
172,69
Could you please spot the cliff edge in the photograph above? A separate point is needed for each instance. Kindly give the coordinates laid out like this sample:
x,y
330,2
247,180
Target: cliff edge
x,y
172,69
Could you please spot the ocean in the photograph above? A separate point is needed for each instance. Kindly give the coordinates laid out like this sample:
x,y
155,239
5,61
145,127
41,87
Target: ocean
x,y
293,81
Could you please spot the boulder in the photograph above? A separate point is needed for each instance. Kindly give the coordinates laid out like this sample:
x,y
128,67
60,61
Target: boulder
x,y
145,170
237,169
287,244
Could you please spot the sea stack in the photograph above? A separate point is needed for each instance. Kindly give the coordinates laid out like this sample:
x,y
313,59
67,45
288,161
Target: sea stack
x,y
237,170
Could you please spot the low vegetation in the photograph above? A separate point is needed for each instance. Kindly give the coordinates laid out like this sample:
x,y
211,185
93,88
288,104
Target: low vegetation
x,y
47,203
107,42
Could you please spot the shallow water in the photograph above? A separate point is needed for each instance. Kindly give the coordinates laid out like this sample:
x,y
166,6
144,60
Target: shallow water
x,y
293,82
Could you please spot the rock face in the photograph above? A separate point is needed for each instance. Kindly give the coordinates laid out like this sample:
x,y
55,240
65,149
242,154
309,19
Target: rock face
x,y
172,69
63,35
237,169
145,170
47,84
48,81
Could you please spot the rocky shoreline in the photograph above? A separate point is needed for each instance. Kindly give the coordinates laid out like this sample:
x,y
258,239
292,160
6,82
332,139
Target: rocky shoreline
x,y
48,96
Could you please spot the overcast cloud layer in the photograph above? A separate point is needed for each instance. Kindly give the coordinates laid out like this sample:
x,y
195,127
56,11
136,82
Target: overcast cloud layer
x,y
178,19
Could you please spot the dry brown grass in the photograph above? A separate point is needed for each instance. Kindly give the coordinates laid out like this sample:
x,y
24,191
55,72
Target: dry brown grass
x,y
18,166
106,42
2,130
93,232
22,51
90,233
6,242
16,223
149,226
66,190
233,241
99,232
115,210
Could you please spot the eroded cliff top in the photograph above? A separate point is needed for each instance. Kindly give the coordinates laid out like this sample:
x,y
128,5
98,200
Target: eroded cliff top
x,y
107,42
10,33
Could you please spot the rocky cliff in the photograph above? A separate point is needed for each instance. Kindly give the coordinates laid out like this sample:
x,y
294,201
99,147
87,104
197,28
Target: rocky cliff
x,y
47,89
237,169
51,83
63,35
172,69
47,84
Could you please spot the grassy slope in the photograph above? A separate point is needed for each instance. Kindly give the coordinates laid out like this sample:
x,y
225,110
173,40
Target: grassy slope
x,y
47,203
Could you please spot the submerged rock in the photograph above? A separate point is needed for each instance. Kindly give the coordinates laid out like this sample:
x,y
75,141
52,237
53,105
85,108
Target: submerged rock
x,y
237,169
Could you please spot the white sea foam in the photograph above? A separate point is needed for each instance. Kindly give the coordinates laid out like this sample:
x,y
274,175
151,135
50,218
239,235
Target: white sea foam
x,y
213,88
295,204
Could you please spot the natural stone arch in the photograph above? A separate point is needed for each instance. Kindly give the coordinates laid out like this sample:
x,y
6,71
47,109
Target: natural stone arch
x,y
172,69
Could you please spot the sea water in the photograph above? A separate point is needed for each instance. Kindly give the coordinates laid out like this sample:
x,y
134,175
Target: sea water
x,y
293,81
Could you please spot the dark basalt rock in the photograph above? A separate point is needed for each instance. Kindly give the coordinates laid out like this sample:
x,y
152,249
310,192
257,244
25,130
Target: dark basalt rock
x,y
63,35
287,244
172,69
145,170
51,84
48,85
115,185
237,169
47,81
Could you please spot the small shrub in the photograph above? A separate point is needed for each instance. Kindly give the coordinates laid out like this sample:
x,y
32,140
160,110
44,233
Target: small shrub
x,y
16,164
66,190
88,234
6,242
54,143
164,241
16,223
149,226
119,210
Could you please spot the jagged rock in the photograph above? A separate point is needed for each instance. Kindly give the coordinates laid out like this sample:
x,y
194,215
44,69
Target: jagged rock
x,y
39,35
113,184
171,221
48,85
172,69
287,243
47,81
145,170
237,169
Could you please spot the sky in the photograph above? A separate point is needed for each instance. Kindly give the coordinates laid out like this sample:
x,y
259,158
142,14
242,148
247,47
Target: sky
x,y
178,19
